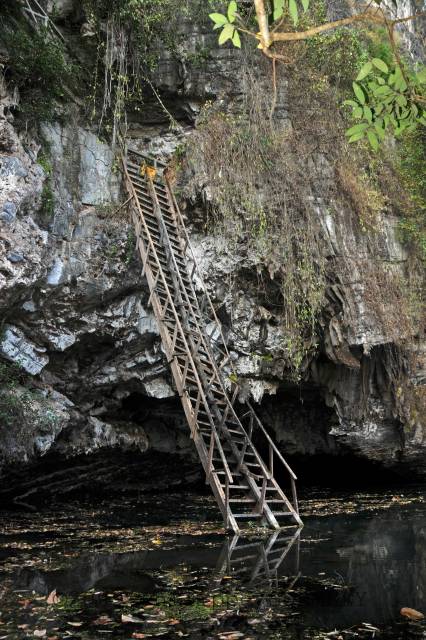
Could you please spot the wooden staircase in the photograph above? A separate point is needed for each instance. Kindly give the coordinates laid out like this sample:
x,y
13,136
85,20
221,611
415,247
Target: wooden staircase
x,y
243,484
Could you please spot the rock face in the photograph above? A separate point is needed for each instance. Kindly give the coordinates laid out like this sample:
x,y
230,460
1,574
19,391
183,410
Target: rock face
x,y
75,310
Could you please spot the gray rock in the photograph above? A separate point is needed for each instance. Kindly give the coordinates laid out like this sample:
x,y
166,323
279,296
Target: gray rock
x,y
12,166
16,347
9,212
15,256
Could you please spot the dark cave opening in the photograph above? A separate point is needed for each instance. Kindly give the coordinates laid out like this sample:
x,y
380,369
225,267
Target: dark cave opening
x,y
297,419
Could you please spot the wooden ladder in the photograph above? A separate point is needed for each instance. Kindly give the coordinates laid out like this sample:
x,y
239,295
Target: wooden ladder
x,y
243,484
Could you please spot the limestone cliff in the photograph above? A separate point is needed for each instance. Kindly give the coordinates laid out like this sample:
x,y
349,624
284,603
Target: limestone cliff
x,y
74,307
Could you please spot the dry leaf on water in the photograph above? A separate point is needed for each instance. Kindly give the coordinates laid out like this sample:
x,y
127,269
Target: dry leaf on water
x,y
52,598
102,620
412,614
138,635
75,624
40,633
130,618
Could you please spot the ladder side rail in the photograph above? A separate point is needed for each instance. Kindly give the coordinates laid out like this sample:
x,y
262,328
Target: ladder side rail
x,y
41,13
212,477
193,309
193,304
210,303
229,407
177,320
184,232
260,462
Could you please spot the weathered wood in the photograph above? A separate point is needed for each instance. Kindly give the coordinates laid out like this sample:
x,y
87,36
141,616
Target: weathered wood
x,y
215,427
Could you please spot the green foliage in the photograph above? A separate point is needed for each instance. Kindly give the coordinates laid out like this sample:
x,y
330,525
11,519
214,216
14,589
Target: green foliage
x,y
129,251
228,23
338,55
388,95
274,225
386,98
412,169
18,404
47,205
227,26
37,66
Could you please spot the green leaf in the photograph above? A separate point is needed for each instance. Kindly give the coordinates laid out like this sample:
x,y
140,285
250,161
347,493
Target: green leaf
x,y
372,139
383,91
226,33
358,128
218,19
232,10
359,92
401,100
292,7
305,5
378,125
365,70
368,114
358,113
236,40
356,136
278,9
421,76
380,65
350,103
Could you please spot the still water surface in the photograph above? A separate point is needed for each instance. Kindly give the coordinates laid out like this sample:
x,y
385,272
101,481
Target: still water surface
x,y
357,561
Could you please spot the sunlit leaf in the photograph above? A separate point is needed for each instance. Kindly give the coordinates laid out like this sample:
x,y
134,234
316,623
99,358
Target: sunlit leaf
x,y
218,19
356,137
236,40
226,33
358,128
232,10
380,65
372,139
358,92
278,9
368,114
365,70
294,13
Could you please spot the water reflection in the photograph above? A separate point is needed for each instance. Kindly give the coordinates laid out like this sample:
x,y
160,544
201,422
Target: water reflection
x,y
337,572
250,562
260,560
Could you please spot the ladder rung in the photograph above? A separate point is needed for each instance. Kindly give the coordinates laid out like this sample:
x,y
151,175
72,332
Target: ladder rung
x,y
239,486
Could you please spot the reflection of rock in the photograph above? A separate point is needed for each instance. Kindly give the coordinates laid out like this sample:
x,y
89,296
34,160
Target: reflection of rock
x,y
380,559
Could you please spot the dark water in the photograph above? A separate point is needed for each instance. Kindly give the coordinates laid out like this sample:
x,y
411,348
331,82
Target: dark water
x,y
345,574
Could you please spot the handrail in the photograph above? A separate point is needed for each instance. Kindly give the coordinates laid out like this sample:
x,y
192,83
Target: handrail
x,y
207,385
271,442
216,319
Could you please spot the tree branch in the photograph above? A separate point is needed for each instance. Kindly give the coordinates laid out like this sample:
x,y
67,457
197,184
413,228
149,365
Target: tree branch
x,y
262,19
267,38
